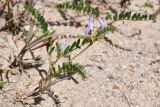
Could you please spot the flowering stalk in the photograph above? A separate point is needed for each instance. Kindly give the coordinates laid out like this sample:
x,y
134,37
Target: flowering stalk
x,y
88,30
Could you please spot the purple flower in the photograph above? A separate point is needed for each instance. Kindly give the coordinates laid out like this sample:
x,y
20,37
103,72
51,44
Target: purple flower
x,y
89,26
102,22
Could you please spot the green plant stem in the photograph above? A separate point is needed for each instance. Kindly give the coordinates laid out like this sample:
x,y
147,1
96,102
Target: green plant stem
x,y
70,52
81,52
62,56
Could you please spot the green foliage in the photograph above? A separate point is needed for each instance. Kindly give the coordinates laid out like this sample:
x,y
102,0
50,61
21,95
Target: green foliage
x,y
106,29
58,49
75,45
44,25
87,40
30,34
50,48
128,15
124,15
148,4
108,16
79,6
64,51
40,19
2,83
69,68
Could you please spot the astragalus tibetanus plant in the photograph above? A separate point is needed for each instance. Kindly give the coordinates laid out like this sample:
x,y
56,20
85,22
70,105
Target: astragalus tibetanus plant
x,y
50,40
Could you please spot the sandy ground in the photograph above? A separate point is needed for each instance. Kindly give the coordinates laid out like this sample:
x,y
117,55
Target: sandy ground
x,y
115,77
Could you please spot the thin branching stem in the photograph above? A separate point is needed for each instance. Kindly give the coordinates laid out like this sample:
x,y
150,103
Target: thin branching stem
x,y
81,52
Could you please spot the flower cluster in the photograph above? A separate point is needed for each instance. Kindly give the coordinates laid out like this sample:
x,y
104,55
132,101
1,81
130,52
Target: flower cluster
x,y
90,24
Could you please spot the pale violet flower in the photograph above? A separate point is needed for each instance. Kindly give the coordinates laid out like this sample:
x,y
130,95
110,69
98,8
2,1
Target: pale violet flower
x,y
89,26
102,22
